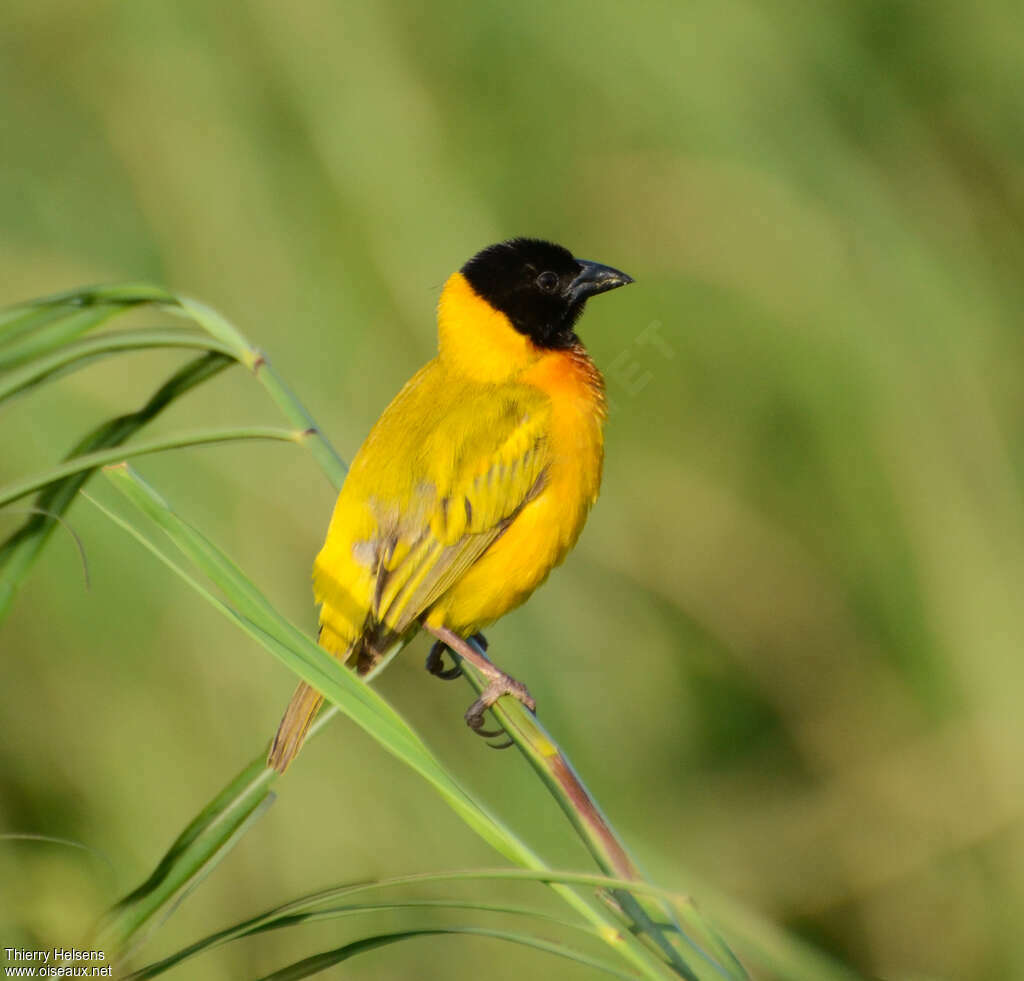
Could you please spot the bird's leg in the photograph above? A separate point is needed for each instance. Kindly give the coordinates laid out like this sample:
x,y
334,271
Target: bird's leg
x,y
435,659
498,683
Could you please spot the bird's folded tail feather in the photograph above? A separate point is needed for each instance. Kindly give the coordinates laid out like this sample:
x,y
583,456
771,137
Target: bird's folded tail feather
x,y
361,654
306,701
291,733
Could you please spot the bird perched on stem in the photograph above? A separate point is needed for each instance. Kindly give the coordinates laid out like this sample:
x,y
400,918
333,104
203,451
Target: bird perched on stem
x,y
475,482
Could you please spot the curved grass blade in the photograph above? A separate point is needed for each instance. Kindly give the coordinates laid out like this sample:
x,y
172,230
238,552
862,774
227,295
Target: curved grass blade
x,y
17,323
23,318
255,359
770,946
263,924
102,859
117,295
320,962
227,335
783,955
66,526
90,306
19,550
73,312
39,332
81,353
100,458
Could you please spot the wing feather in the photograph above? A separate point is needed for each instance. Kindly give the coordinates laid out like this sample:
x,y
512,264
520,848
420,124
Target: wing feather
x,y
443,473
499,469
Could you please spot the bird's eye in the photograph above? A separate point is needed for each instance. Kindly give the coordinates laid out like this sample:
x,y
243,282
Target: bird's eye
x,y
547,281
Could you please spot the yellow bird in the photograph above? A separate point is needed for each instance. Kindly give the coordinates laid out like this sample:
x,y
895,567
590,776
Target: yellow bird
x,y
475,482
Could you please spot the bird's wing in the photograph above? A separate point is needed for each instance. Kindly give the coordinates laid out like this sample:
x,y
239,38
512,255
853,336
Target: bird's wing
x,y
442,474
479,471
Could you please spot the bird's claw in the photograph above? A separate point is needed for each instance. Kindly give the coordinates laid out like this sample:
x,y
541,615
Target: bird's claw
x,y
502,685
435,664
475,721
435,659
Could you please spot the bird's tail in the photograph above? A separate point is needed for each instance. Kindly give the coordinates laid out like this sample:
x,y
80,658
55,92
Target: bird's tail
x,y
362,654
306,701
291,733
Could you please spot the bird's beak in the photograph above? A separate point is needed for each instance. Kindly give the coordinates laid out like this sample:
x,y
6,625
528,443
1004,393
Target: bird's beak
x,y
594,278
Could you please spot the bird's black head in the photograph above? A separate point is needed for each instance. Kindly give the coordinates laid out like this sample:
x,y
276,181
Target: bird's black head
x,y
539,286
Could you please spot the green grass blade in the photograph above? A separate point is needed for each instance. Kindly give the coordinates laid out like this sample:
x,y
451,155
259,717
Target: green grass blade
x,y
117,295
20,320
216,326
40,333
20,550
780,953
100,458
604,843
770,946
253,358
320,962
323,452
306,658
248,609
79,354
232,339
356,699
265,923
102,302
207,837
211,833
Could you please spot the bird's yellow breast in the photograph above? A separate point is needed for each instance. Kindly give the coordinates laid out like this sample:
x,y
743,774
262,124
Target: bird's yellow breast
x,y
546,529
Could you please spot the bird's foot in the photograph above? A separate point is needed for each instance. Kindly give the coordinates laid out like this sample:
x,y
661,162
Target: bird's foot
x,y
499,685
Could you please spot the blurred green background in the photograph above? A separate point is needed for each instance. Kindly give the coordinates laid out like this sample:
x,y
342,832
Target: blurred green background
x,y
786,653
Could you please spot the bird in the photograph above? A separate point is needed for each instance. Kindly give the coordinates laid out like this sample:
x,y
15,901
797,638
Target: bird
x,y
474,483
